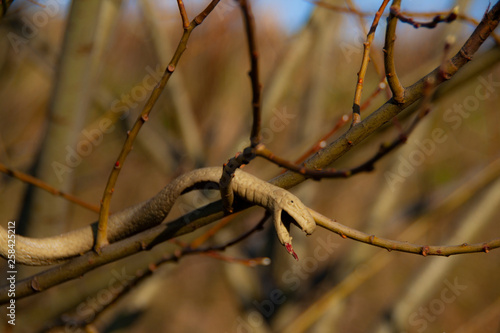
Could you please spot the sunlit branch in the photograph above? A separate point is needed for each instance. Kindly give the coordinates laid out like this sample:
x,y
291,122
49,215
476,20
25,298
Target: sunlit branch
x,y
356,108
398,91
102,238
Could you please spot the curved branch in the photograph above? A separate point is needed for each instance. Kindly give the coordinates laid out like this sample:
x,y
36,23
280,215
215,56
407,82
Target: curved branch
x,y
398,91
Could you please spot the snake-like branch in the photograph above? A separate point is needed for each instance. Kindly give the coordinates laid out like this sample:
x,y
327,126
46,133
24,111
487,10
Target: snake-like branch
x,y
51,250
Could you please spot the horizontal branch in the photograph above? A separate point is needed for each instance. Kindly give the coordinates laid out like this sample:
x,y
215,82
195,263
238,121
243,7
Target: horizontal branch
x,y
452,16
393,245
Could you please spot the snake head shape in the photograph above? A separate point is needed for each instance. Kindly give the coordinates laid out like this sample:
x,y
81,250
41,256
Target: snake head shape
x,y
289,209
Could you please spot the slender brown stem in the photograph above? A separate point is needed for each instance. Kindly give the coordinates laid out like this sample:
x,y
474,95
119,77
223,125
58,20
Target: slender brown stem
x,y
398,91
254,71
142,118
44,186
356,108
236,162
452,16
318,174
393,245
344,10
182,11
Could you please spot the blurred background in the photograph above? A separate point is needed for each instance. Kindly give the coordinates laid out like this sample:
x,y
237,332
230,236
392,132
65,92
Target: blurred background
x,y
70,90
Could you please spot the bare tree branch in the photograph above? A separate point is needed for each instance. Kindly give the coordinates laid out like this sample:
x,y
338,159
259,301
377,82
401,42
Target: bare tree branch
x,y
102,238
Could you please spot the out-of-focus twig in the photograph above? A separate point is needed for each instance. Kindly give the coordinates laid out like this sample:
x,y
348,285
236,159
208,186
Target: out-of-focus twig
x,y
44,186
452,16
459,16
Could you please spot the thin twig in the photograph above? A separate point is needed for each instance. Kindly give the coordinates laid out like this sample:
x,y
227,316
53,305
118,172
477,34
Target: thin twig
x,y
393,245
46,187
344,10
182,11
212,231
379,69
317,174
398,91
236,162
255,136
452,16
143,117
356,108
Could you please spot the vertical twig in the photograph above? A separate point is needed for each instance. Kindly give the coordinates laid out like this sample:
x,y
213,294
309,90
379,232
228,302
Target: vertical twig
x,y
398,91
184,17
254,71
356,109
236,162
